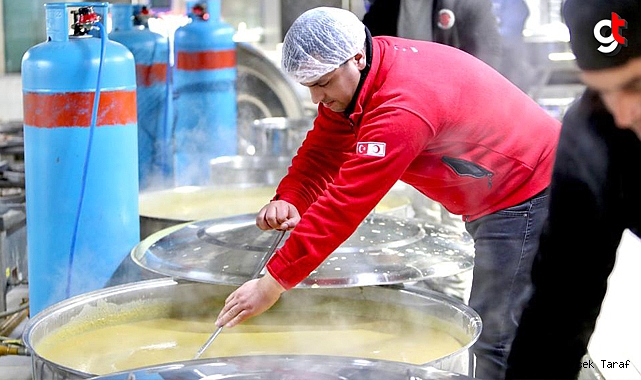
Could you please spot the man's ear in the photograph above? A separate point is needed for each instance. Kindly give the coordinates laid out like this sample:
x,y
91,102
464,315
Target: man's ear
x,y
361,60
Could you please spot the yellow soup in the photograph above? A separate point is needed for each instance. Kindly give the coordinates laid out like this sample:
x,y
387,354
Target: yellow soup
x,y
127,345
196,203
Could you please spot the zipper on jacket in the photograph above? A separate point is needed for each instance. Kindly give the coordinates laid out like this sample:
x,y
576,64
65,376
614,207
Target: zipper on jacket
x,y
468,169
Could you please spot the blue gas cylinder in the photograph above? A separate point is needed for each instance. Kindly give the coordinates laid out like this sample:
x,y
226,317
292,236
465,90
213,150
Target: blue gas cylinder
x,y
204,91
81,161
151,53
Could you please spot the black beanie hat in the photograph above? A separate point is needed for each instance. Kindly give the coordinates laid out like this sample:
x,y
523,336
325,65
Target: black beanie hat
x,y
582,16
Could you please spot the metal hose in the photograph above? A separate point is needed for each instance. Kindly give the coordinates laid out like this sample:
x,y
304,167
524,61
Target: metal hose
x,y
83,182
11,312
6,349
14,318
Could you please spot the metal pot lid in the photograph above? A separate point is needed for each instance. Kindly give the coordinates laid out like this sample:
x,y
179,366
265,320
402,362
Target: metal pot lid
x,y
285,368
382,250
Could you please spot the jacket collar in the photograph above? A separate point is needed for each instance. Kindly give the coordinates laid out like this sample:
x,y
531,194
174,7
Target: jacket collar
x,y
368,57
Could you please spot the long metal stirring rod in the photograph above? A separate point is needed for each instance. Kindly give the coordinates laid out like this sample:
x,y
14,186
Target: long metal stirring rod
x,y
261,265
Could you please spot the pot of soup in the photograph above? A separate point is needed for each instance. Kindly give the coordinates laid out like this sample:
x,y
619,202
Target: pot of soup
x,y
280,136
160,209
164,321
280,367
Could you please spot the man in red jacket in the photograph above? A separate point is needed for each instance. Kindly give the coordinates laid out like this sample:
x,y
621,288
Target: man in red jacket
x,y
424,113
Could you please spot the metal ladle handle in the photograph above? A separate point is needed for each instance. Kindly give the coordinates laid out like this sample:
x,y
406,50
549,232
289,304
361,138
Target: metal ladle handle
x,y
208,342
261,265
269,254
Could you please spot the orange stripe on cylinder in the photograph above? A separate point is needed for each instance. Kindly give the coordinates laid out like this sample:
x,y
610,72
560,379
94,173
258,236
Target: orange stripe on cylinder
x,y
206,60
146,75
73,109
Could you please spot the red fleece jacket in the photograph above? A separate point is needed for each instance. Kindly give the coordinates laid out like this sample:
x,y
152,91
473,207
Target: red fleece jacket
x,y
430,115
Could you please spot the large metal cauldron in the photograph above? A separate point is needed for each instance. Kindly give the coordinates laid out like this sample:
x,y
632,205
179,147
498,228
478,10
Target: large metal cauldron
x,y
413,309
299,367
160,209
280,136
263,91
248,170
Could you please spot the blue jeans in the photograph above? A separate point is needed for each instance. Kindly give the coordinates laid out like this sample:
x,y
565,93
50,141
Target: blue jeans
x,y
505,243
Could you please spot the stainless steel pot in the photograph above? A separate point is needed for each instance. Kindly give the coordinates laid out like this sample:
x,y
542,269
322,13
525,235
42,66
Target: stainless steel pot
x,y
239,185
307,367
161,209
163,298
263,91
243,193
248,170
279,136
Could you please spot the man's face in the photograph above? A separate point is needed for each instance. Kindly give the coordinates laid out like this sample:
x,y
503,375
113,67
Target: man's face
x,y
336,89
620,90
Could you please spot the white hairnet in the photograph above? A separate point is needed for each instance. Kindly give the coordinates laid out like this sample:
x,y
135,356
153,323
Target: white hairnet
x,y
319,41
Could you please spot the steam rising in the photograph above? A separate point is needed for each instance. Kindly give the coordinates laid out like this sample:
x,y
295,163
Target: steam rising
x,y
169,322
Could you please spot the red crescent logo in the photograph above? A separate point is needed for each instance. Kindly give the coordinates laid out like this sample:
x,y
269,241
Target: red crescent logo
x,y
446,19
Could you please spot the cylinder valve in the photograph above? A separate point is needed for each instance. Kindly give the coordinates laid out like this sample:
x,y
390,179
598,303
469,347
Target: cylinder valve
x,y
84,19
200,11
142,16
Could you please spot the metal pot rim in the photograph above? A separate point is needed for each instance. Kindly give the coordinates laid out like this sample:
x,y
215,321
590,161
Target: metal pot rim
x,y
323,365
86,298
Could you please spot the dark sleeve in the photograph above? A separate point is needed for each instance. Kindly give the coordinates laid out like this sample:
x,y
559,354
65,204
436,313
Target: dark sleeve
x,y
576,255
382,17
479,31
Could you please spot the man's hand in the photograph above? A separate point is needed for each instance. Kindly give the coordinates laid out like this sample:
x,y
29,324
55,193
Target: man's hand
x,y
250,299
277,215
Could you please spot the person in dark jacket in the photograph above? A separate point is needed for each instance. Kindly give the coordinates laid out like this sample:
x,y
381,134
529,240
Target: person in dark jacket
x,y
469,25
595,192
